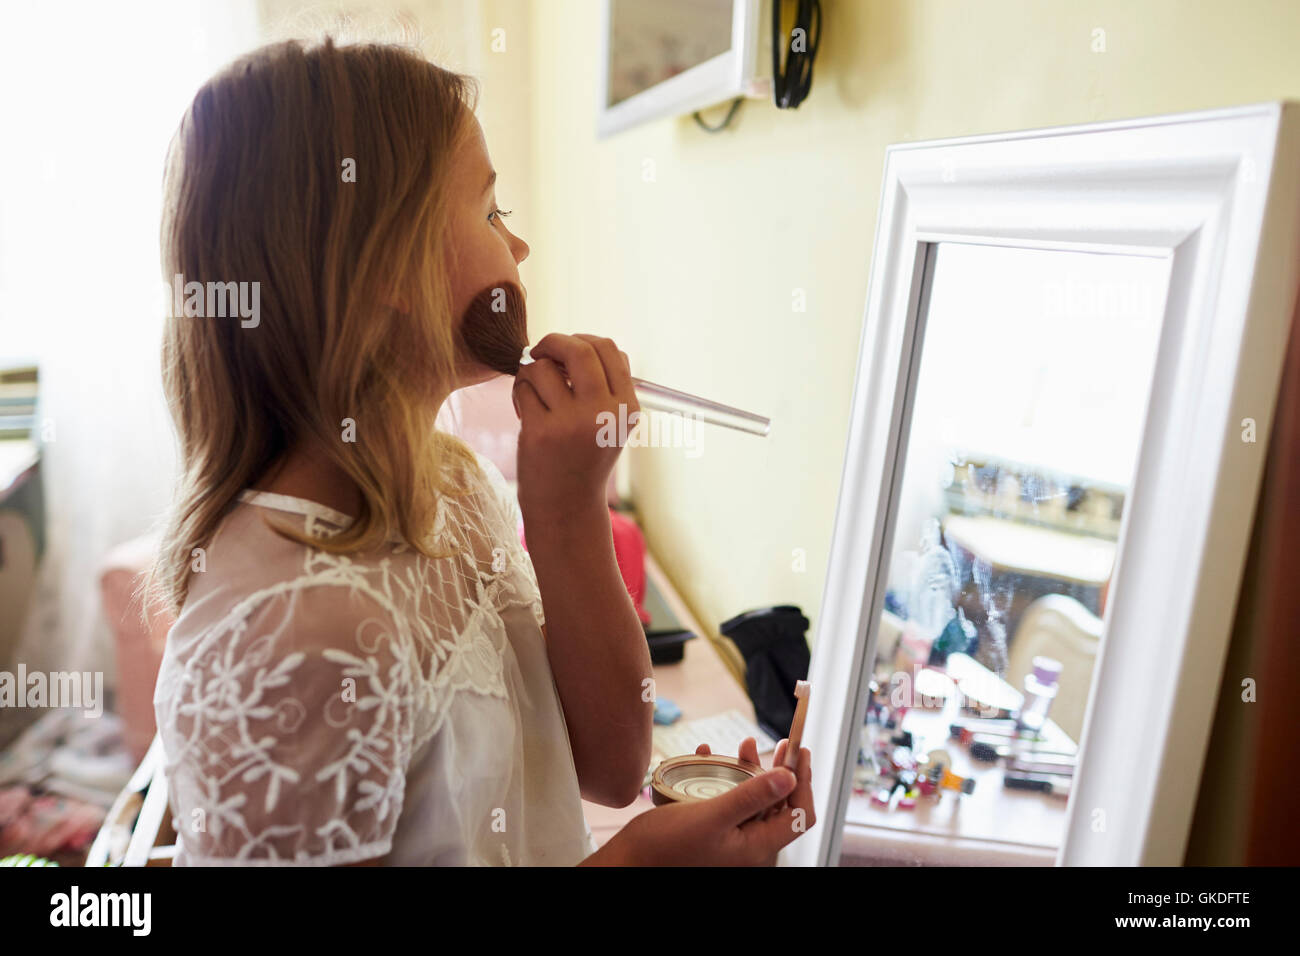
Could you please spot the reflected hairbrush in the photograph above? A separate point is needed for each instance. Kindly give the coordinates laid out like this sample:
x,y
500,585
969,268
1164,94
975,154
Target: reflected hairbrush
x,y
494,331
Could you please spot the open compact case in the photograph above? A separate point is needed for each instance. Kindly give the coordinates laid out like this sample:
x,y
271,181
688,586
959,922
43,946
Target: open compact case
x,y
693,777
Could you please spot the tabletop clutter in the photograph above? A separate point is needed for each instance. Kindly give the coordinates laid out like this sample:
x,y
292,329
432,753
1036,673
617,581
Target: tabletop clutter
x,y
998,725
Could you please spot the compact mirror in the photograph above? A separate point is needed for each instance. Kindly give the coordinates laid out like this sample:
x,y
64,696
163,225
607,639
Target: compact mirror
x,y
694,777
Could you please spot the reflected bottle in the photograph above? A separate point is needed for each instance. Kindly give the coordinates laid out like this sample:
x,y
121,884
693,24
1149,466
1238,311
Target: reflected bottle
x,y
1040,691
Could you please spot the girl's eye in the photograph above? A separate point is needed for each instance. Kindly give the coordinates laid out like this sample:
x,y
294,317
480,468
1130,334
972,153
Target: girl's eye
x,y
499,212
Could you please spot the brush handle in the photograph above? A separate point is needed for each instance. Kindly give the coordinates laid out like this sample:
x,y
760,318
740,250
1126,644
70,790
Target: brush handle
x,y
661,398
803,691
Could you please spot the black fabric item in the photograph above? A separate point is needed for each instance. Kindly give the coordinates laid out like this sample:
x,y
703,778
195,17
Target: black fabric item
x,y
772,641
667,646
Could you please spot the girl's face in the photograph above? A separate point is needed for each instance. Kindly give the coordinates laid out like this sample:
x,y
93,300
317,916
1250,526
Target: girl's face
x,y
484,253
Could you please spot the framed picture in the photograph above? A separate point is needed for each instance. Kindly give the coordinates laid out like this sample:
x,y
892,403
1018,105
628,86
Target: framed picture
x,y
672,57
1068,370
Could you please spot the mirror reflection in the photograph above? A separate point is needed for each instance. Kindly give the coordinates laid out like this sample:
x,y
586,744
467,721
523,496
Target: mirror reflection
x,y
1026,424
653,42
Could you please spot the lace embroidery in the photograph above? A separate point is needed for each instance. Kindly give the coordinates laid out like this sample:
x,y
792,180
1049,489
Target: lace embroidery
x,y
260,712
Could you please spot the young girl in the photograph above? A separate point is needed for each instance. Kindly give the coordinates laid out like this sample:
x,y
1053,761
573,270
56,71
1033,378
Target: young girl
x,y
363,669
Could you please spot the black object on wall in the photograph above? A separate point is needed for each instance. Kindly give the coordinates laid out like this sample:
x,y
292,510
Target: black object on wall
x,y
791,84
772,641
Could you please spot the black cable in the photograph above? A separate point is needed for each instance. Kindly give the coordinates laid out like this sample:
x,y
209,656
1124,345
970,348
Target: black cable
x,y
726,120
791,86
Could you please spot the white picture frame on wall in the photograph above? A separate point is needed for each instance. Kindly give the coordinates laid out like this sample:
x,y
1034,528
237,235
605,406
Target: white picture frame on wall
x,y
734,72
1219,193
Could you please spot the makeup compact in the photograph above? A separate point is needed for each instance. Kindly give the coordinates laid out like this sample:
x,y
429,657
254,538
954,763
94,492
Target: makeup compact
x,y
694,777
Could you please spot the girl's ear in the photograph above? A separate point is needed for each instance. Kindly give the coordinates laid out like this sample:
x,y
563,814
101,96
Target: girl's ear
x,y
398,304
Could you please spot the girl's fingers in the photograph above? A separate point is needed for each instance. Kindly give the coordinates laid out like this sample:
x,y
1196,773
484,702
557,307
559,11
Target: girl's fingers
x,y
547,381
789,822
581,363
703,749
778,759
618,370
802,796
772,831
779,755
749,750
528,406
781,824
743,806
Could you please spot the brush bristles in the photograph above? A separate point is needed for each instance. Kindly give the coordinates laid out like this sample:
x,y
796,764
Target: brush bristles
x,y
494,328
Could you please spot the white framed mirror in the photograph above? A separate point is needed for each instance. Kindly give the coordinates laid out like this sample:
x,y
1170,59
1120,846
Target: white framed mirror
x,y
1068,369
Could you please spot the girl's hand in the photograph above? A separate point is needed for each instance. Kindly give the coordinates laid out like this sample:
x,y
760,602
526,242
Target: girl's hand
x,y
576,405
746,826
749,752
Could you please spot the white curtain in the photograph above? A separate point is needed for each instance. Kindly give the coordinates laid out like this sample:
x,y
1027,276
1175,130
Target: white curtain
x,y
92,93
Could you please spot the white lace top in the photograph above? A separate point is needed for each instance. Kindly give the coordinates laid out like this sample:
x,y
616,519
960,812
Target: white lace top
x,y
322,709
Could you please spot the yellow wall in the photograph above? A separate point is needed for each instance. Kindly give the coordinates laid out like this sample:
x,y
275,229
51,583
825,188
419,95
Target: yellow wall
x,y
694,274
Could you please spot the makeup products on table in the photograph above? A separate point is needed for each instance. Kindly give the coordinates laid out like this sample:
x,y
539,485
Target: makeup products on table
x,y
970,729
666,712
905,776
1033,762
989,749
1040,691
1057,786
494,330
951,781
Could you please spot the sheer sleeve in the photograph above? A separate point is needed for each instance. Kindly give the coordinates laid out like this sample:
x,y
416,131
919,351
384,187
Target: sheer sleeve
x,y
508,532
293,734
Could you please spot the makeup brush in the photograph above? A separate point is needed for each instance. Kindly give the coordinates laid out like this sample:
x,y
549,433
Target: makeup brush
x,y
494,331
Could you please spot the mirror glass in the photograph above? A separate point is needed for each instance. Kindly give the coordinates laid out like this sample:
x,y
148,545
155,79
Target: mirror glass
x,y
1026,419
653,42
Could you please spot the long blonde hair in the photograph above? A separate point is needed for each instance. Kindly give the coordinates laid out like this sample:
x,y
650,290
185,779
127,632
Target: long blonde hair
x,y
355,321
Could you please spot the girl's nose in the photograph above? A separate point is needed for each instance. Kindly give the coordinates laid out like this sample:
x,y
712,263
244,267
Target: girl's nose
x,y
519,248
